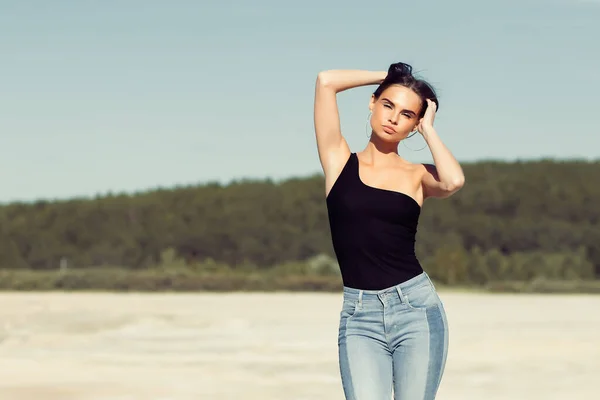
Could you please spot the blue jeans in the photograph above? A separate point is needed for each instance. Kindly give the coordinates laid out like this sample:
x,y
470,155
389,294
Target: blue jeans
x,y
393,340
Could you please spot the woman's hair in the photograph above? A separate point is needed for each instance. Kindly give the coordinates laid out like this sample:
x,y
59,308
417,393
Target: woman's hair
x,y
401,74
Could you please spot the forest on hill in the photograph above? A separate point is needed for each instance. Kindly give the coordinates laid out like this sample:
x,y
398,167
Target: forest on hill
x,y
513,225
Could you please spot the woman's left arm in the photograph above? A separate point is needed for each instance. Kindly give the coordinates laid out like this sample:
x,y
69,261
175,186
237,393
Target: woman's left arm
x,y
446,176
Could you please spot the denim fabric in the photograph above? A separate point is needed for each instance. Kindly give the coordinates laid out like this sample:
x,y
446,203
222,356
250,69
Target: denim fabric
x,y
393,340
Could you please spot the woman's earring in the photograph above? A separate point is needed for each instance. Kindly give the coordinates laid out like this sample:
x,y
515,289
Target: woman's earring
x,y
409,136
369,126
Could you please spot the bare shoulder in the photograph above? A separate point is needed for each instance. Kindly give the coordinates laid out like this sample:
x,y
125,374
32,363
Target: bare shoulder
x,y
416,167
416,171
412,168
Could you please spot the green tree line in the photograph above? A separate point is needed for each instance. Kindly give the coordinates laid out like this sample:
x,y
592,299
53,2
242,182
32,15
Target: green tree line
x,y
513,221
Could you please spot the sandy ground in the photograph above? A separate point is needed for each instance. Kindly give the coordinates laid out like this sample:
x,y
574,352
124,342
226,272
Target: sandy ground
x,y
278,346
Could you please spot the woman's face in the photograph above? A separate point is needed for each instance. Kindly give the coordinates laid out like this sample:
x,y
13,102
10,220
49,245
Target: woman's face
x,y
395,113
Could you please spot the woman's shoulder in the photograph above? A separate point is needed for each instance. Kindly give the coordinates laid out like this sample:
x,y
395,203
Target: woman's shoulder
x,y
402,162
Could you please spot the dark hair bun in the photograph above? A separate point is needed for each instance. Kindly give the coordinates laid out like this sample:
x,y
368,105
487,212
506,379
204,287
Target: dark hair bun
x,y
400,70
401,74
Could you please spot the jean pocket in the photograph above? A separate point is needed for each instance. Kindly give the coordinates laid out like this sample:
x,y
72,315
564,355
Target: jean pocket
x,y
422,297
349,308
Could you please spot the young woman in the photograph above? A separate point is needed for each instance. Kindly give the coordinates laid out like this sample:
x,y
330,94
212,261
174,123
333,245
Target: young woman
x,y
393,332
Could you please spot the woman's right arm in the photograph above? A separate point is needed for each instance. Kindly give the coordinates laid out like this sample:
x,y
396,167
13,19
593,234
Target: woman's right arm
x,y
332,147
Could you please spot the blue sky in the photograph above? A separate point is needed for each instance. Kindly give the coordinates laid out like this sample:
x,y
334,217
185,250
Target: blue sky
x,y
101,96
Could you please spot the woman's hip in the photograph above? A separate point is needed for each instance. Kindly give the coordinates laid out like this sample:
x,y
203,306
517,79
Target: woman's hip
x,y
411,306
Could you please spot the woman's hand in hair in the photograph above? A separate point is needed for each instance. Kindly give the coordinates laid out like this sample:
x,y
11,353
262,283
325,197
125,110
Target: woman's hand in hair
x,y
425,125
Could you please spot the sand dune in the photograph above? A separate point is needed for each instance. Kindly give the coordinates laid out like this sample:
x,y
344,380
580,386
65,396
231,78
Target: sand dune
x,y
277,346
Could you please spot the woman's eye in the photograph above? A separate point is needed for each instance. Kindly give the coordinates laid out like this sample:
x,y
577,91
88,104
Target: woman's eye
x,y
387,106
